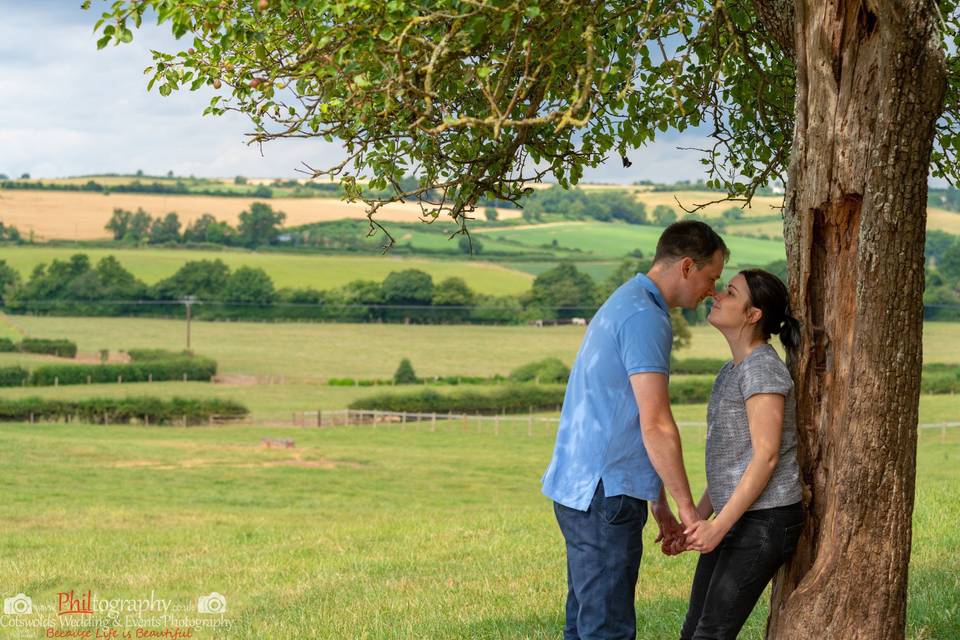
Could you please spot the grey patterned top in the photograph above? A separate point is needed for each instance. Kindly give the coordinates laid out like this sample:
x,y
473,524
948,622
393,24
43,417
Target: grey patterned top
x,y
729,448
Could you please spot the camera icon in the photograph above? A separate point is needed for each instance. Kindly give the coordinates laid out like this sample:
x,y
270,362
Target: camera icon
x,y
18,605
213,603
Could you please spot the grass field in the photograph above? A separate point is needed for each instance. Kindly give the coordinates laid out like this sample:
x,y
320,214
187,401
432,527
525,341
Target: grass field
x,y
286,269
356,533
301,357
73,215
605,240
314,350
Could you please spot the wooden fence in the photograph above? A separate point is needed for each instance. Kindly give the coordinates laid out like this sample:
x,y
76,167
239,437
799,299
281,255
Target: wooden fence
x,y
478,423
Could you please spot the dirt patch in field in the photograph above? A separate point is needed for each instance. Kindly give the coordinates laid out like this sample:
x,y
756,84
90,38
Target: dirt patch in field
x,y
236,379
93,357
295,460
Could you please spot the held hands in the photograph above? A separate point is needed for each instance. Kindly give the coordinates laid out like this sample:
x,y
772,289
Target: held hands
x,y
695,534
704,536
671,531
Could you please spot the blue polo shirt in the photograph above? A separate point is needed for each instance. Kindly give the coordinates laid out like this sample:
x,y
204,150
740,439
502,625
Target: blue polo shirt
x,y
599,435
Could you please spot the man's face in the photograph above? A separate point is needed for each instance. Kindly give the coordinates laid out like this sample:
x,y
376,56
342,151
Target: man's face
x,y
700,283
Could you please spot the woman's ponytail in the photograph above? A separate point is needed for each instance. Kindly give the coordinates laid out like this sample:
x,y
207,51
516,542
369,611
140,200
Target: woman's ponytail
x,y
770,295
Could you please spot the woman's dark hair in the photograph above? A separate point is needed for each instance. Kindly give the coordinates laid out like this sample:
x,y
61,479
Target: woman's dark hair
x,y
690,239
768,293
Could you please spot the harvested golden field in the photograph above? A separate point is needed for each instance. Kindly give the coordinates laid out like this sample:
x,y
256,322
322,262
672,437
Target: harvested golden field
x,y
73,215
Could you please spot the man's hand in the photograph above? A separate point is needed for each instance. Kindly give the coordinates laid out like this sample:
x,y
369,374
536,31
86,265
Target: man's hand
x,y
704,536
671,531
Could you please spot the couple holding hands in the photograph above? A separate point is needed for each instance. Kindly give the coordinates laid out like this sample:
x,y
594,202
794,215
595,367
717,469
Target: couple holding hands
x,y
618,447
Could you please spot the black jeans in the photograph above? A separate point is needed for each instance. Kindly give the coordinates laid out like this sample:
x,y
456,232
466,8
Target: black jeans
x,y
604,547
730,579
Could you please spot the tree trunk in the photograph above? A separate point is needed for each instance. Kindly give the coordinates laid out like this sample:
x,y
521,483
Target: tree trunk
x,y
870,85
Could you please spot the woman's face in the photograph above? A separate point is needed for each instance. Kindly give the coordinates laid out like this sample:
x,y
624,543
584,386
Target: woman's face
x,y
731,306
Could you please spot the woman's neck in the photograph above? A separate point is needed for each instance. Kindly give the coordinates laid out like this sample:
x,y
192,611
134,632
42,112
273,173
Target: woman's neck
x,y
741,345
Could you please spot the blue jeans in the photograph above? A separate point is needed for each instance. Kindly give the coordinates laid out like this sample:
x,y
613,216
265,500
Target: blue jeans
x,y
604,547
730,579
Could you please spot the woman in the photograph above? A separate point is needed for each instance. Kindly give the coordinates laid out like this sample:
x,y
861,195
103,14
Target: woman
x,y
752,475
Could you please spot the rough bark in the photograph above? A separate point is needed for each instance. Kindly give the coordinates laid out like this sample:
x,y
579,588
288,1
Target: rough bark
x,y
870,83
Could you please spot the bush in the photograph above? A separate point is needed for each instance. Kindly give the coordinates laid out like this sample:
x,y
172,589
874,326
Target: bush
x,y
696,366
7,345
695,391
152,355
509,399
548,370
342,382
404,373
156,370
940,383
13,376
120,410
514,398
62,348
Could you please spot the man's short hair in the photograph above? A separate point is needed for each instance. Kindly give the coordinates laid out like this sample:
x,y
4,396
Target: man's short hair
x,y
690,239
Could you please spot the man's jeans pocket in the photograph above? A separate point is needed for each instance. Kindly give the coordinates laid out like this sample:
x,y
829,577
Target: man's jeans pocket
x,y
621,509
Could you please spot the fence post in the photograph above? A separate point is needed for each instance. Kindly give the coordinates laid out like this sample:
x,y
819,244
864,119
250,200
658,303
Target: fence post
x,y
149,377
120,379
319,418
433,421
56,381
88,379
496,424
479,423
184,377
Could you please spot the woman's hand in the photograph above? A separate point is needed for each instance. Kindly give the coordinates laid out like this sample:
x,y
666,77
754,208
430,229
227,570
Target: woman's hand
x,y
704,536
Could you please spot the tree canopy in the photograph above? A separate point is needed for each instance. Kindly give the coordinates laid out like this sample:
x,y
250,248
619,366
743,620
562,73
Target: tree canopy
x,y
477,98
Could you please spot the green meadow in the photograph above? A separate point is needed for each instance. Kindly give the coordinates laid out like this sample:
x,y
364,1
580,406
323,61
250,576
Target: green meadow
x,y
392,532
276,369
609,240
356,532
286,269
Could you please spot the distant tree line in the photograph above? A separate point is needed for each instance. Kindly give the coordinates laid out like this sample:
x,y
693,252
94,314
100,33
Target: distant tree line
x,y
257,226
941,296
9,233
78,287
166,188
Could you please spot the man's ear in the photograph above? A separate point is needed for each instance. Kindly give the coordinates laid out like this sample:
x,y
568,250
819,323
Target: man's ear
x,y
686,267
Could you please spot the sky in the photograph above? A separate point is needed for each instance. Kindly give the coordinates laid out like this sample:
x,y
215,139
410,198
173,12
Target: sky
x,y
67,109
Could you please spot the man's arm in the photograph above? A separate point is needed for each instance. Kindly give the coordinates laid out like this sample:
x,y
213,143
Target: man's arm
x,y
662,440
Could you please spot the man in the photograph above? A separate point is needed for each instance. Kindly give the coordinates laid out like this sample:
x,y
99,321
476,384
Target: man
x,y
617,443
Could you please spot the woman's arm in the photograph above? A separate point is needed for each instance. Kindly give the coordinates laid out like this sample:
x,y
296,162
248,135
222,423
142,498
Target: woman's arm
x,y
705,507
765,417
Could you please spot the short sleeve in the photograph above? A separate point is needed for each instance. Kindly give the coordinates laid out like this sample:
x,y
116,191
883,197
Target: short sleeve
x,y
645,339
765,374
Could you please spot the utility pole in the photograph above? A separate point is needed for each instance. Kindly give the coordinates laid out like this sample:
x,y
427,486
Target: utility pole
x,y
188,302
